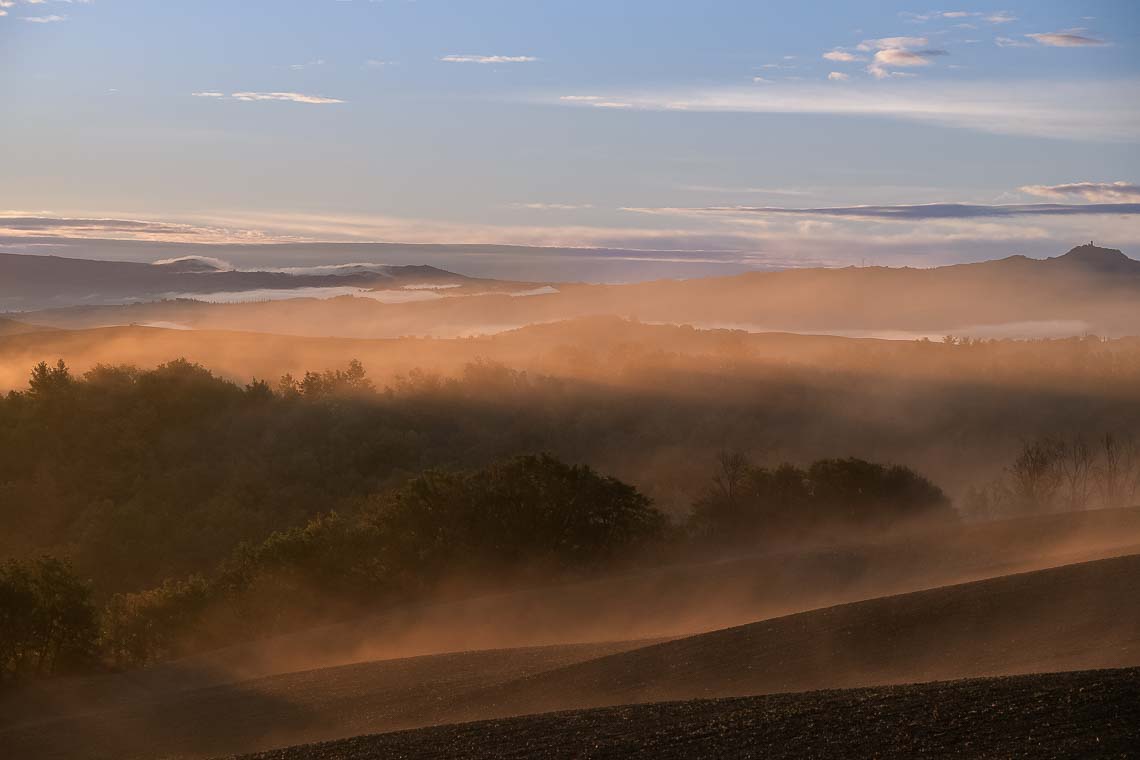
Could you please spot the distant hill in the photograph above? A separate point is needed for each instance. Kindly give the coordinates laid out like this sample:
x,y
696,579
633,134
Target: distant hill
x,y
12,327
1087,290
38,282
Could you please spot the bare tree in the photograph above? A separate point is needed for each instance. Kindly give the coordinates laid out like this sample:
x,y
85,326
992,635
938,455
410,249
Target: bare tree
x,y
1036,477
1076,462
733,471
1118,473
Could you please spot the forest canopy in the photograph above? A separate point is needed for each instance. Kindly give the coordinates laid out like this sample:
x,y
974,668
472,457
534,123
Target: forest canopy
x,y
191,511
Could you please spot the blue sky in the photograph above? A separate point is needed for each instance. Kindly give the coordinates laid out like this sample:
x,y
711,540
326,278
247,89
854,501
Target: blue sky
x,y
680,126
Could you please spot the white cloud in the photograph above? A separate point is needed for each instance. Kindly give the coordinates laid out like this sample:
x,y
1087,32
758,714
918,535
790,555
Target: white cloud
x,y
598,101
488,59
553,206
842,56
1067,38
1095,192
1001,17
294,97
995,17
838,76
1011,42
1082,110
897,52
307,65
45,19
888,43
899,57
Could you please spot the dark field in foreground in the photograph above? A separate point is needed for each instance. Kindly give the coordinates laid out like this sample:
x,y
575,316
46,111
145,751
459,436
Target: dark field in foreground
x,y
1057,715
1072,618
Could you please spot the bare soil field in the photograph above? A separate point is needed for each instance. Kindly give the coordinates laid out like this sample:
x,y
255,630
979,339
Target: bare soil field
x,y
266,712
1075,617
1093,714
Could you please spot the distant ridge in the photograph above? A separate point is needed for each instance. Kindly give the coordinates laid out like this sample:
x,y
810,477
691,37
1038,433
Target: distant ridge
x,y
1095,258
1087,290
29,282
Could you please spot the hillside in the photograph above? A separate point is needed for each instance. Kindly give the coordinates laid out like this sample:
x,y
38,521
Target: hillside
x,y
1063,618
1088,714
1089,289
1073,617
37,282
12,327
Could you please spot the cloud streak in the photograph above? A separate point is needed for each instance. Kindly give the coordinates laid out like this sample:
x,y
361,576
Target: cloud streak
x,y
1068,38
488,59
921,211
1086,111
292,97
1097,192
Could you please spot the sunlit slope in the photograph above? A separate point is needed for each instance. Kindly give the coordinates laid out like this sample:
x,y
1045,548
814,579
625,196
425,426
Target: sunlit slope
x,y
1074,617
12,327
684,599
1085,714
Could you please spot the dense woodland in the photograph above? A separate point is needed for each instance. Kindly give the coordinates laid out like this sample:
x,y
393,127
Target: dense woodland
x,y
151,513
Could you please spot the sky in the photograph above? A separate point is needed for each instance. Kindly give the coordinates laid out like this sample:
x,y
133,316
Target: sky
x,y
722,135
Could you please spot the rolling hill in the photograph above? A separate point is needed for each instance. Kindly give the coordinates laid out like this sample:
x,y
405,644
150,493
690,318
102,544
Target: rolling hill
x,y
12,327
1072,617
37,282
1087,714
1088,289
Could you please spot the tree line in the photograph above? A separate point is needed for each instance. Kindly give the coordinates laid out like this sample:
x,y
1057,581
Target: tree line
x,y
1062,473
124,467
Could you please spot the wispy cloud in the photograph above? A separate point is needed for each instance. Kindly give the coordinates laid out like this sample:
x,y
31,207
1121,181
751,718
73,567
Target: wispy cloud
x,y
1067,38
897,52
597,101
919,212
1084,110
488,59
553,206
43,226
53,18
837,76
842,56
1097,192
743,190
1001,17
994,17
293,97
308,64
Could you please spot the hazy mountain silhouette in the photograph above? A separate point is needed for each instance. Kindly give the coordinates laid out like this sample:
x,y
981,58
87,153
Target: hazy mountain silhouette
x,y
1088,289
36,282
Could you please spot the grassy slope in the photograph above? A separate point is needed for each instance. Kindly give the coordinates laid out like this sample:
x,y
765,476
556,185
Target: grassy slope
x,y
1074,617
